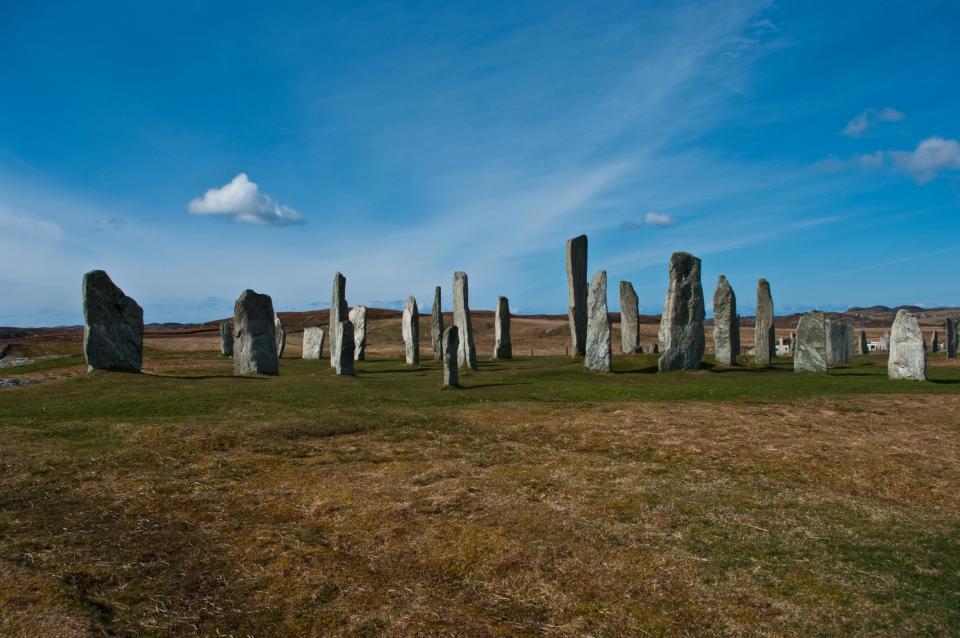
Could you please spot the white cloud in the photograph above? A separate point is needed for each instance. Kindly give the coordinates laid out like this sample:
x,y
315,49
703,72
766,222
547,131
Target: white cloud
x,y
15,222
657,219
242,200
869,118
931,156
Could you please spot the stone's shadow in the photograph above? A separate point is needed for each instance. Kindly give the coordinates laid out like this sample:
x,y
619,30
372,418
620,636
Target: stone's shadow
x,y
646,370
394,370
493,385
202,377
944,381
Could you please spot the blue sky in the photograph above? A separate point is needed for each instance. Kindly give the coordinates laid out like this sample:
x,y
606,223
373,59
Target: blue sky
x,y
197,149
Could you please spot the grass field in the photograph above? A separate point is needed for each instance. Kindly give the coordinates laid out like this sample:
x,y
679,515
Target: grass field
x,y
539,499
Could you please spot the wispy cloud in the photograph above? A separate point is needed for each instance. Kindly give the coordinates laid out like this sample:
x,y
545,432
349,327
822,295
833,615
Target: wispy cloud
x,y
242,201
870,118
15,222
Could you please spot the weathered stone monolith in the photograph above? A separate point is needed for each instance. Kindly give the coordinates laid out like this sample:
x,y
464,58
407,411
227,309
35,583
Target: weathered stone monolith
x,y
313,342
358,317
935,341
629,319
907,359
410,328
810,349
862,346
112,325
226,338
577,288
502,346
280,334
436,326
467,354
764,336
254,335
449,354
952,337
726,324
793,342
681,336
345,347
339,312
839,342
597,356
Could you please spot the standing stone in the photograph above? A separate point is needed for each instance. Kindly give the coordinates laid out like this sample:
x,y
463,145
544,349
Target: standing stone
x,y
793,342
863,347
907,359
313,342
629,319
839,342
655,348
358,317
681,326
450,347
935,342
112,325
344,363
226,338
950,325
577,287
338,314
726,324
254,335
280,334
885,342
502,347
436,326
764,336
810,351
467,353
597,356
411,332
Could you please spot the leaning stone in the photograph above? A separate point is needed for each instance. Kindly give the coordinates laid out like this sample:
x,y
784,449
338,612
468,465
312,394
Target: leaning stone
x,y
726,324
597,356
907,359
254,335
313,342
577,288
629,319
436,326
764,335
344,363
226,338
280,334
358,317
411,332
681,326
810,351
935,342
502,346
467,355
112,325
338,314
450,346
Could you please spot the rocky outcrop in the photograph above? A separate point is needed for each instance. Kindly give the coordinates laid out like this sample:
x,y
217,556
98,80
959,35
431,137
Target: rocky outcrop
x,y
254,335
681,325
112,325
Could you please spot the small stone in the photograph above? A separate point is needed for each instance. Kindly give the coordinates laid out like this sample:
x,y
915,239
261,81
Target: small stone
x,y
951,325
629,319
113,325
681,325
436,326
577,289
467,356
810,352
226,338
935,342
411,332
338,314
765,337
358,317
907,359
280,334
597,356
254,335
344,362
502,346
450,346
726,324
313,342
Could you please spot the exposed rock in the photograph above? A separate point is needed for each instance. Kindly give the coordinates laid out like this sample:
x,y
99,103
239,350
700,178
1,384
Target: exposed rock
x,y
113,325
577,288
681,326
14,382
907,359
935,342
502,346
450,347
810,351
338,314
254,335
280,334
226,338
726,324
467,354
411,332
358,317
313,342
344,363
629,319
863,346
765,338
436,326
597,355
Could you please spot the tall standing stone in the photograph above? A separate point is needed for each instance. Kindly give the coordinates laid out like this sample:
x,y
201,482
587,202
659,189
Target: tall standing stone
x,y
577,288
112,325
280,334
502,346
467,354
338,314
765,338
358,317
726,323
226,338
810,351
839,342
597,355
450,347
411,332
950,326
935,341
344,363
629,319
908,359
254,335
312,342
863,347
436,326
681,325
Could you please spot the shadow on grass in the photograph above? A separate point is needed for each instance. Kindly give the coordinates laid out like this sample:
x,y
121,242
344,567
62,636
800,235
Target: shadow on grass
x,y
202,377
494,385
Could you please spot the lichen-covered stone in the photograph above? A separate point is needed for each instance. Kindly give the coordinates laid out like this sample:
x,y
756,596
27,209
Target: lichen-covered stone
x,y
810,350
907,359
681,325
226,338
339,312
358,317
467,355
112,325
450,347
410,328
597,356
344,363
629,319
765,338
313,342
577,289
254,335
726,324
839,343
436,326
